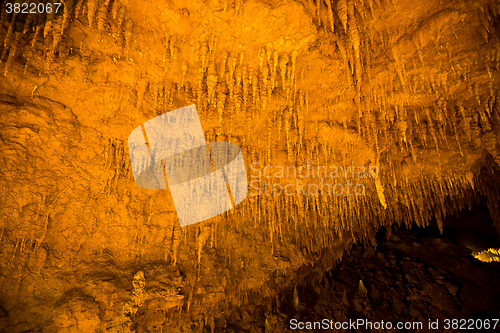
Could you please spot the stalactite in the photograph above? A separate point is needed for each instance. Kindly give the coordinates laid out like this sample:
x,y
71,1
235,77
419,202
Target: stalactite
x,y
31,19
221,99
430,127
184,69
287,133
212,79
92,7
485,122
237,101
466,121
12,52
353,31
289,82
115,7
294,54
120,17
274,69
330,15
225,56
255,86
282,66
50,18
244,81
142,85
230,87
176,240
231,64
265,74
261,55
343,53
129,25
204,234
79,8
204,53
238,76
57,37
102,16
342,13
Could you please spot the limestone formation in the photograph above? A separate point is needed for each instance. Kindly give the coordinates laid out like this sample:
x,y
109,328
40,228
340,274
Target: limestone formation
x,y
352,116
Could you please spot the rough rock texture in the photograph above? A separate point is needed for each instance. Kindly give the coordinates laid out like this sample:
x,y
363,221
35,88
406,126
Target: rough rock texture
x,y
404,279
408,87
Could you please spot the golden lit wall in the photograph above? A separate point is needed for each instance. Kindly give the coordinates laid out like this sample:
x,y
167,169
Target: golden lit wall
x,y
409,88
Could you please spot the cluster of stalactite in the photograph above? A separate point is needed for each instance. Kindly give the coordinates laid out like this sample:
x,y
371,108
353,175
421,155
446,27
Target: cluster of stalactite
x,y
319,222
237,92
38,34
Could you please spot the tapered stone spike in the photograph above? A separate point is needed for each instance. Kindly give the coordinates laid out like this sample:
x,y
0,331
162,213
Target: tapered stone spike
x,y
102,15
9,37
283,61
31,19
79,8
12,52
115,7
120,17
212,80
265,74
274,68
245,82
128,31
142,85
330,15
92,7
342,13
221,100
176,240
225,55
204,54
255,86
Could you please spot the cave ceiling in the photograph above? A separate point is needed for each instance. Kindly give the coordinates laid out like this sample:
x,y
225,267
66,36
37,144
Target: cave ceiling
x,y
410,87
